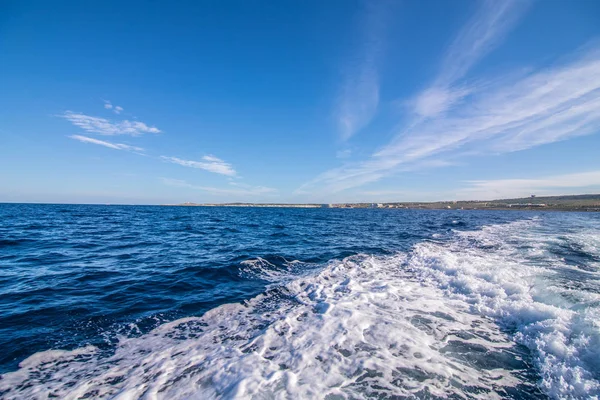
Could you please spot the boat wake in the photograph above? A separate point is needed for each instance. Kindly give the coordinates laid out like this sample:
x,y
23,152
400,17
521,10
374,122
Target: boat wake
x,y
485,314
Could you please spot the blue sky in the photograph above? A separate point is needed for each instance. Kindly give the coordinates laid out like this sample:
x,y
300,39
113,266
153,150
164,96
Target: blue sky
x,y
298,101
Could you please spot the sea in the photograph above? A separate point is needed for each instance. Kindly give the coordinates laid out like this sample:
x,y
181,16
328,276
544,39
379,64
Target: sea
x,y
160,302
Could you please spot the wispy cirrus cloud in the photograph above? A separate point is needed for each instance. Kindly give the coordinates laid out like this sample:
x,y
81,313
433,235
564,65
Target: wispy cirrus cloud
x,y
482,33
494,189
245,190
512,188
104,126
359,94
504,114
209,163
486,29
110,145
542,107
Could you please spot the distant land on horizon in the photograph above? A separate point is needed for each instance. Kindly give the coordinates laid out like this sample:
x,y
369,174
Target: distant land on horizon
x,y
582,202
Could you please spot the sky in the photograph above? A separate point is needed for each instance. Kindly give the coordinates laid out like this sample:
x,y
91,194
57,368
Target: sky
x,y
298,101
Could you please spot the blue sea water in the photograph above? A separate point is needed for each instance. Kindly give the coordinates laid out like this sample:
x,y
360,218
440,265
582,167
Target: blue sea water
x,y
192,302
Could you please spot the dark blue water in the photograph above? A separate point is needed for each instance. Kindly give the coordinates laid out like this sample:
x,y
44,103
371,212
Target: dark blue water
x,y
72,276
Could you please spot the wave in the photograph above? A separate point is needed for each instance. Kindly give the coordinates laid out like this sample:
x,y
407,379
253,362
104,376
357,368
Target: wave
x,y
274,268
482,315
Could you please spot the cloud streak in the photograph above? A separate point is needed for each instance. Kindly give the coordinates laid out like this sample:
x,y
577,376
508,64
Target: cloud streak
x,y
110,145
542,107
485,31
506,114
482,33
512,188
209,163
494,189
359,95
104,126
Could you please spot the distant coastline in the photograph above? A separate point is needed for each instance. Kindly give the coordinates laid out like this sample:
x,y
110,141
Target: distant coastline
x,y
584,202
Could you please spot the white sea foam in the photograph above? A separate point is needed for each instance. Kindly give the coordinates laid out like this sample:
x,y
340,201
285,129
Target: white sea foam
x,y
523,297
264,269
472,317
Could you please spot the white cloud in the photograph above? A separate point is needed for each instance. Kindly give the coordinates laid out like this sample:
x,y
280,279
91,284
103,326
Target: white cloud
x,y
484,31
512,188
109,106
355,175
246,190
437,100
359,95
212,158
493,189
209,163
542,107
116,146
105,127
506,114
359,103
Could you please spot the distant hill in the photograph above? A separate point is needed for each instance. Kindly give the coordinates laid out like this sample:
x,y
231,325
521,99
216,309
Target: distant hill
x,y
582,202
579,199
